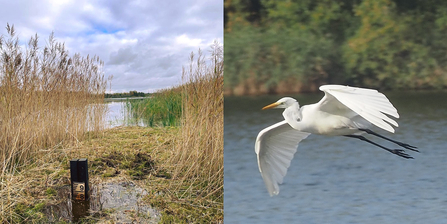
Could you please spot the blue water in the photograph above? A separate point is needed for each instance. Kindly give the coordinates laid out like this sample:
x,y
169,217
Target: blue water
x,y
339,179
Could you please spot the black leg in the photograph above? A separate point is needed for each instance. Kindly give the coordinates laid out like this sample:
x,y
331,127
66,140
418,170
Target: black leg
x,y
405,145
399,152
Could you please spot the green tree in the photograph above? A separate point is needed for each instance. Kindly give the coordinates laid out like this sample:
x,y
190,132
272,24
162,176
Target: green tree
x,y
371,43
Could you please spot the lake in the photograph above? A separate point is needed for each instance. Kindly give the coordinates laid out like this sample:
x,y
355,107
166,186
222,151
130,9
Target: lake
x,y
117,113
339,179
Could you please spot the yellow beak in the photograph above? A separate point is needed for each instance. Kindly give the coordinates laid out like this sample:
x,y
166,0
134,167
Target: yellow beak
x,y
273,105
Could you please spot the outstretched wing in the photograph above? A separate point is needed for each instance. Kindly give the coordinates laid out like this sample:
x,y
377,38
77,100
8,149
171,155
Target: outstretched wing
x,y
368,103
275,147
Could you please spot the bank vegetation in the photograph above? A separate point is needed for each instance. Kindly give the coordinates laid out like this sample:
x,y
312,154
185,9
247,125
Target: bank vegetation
x,y
294,46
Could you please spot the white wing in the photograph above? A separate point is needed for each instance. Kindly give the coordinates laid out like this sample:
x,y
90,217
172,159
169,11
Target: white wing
x,y
368,103
275,147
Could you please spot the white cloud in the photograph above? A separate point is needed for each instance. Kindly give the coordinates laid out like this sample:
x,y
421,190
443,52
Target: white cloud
x,y
184,40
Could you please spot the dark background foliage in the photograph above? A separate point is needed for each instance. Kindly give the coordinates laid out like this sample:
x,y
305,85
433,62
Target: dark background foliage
x,y
384,44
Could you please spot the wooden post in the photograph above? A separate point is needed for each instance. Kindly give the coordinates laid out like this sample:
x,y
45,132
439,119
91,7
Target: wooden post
x,y
79,179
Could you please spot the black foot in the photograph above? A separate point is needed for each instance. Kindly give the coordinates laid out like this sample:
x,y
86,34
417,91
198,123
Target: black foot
x,y
401,153
407,146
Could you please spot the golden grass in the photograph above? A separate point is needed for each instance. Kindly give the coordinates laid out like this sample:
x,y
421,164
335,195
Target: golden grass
x,y
58,117
47,100
195,192
114,157
199,158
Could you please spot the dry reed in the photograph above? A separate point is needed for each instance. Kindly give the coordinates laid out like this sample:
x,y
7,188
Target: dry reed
x,y
47,99
198,157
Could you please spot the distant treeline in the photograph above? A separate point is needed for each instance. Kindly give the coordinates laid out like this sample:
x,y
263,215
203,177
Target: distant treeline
x,y
273,46
124,95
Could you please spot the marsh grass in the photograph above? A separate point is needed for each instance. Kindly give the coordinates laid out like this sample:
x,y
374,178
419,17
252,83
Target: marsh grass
x,y
199,158
48,100
194,157
194,191
161,109
180,166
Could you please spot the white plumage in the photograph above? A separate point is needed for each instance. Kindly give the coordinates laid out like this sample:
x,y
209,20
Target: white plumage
x,y
343,111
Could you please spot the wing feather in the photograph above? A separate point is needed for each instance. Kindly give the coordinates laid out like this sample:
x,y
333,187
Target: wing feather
x,y
370,104
275,147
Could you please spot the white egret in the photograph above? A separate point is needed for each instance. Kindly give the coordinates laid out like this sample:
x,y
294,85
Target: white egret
x,y
343,111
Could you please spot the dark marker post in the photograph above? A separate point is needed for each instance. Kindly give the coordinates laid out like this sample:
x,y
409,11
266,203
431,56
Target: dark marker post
x,y
79,179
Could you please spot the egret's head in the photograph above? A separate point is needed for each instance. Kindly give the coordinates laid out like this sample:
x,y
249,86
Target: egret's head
x,y
282,103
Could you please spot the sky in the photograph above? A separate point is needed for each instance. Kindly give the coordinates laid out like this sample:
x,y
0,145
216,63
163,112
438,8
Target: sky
x,y
143,43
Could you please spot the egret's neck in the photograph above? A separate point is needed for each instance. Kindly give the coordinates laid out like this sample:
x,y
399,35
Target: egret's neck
x,y
293,116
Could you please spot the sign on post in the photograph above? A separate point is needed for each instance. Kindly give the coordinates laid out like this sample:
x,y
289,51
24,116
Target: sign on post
x,y
79,179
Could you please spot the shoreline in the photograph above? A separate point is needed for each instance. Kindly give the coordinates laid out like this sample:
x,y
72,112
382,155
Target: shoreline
x,y
139,155
126,98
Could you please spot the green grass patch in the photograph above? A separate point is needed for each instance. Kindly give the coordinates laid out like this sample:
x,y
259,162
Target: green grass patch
x,y
50,192
162,109
26,213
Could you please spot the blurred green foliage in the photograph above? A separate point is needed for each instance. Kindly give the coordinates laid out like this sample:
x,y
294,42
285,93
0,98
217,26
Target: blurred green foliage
x,y
387,44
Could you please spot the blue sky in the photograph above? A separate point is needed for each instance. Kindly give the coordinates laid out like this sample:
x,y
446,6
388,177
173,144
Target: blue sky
x,y
143,43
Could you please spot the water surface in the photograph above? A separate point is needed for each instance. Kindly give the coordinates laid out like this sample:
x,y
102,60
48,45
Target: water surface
x,y
339,179
118,114
115,114
120,202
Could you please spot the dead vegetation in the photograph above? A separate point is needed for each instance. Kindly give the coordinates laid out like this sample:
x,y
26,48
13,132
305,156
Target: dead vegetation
x,y
48,100
197,159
